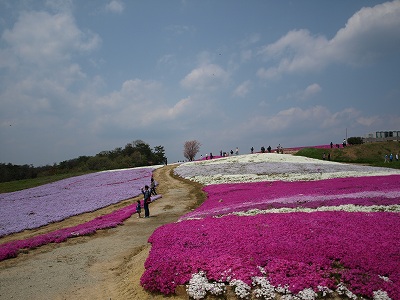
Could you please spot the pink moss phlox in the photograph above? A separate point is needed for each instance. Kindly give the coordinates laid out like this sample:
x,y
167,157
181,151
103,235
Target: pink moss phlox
x,y
300,250
11,249
366,191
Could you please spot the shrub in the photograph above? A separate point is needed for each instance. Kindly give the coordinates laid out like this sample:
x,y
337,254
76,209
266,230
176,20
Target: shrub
x,y
355,140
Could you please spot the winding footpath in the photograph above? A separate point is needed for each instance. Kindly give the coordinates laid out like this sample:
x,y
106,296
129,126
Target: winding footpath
x,y
106,265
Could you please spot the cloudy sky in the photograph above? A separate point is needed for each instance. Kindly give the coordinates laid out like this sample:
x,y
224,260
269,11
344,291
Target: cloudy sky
x,y
80,77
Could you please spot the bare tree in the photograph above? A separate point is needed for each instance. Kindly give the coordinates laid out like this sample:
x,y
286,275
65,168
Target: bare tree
x,y
190,149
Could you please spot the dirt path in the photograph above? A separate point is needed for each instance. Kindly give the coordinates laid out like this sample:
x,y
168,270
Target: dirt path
x,y
106,265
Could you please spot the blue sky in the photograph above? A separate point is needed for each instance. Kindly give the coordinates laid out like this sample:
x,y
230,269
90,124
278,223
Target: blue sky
x,y
80,77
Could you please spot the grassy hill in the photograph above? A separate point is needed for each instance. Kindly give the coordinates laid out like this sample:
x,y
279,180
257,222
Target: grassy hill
x,y
368,153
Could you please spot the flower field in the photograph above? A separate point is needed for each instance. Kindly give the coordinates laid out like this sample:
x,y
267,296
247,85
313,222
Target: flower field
x,y
40,206
276,224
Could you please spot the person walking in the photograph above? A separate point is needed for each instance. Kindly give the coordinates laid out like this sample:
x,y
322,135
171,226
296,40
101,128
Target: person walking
x,y
146,201
153,186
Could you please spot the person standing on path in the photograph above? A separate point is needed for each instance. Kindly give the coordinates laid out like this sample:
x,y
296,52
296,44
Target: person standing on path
x,y
138,209
153,187
146,201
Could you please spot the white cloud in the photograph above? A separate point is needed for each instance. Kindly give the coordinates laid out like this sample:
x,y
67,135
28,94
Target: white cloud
x,y
304,94
41,38
137,104
177,110
243,89
293,126
369,34
369,121
39,50
65,6
207,77
296,119
297,50
115,6
310,91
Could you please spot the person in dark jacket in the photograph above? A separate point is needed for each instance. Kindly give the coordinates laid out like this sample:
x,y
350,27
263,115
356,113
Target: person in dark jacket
x,y
146,201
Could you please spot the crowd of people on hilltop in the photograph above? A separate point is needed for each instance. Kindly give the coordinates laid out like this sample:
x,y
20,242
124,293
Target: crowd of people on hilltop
x,y
279,149
269,149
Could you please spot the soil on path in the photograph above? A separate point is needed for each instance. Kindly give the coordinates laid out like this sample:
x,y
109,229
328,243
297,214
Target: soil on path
x,y
106,265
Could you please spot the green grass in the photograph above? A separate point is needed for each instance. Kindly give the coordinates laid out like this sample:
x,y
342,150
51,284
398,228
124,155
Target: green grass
x,y
368,154
17,185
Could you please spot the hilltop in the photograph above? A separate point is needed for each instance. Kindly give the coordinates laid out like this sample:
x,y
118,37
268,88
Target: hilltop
x,y
369,153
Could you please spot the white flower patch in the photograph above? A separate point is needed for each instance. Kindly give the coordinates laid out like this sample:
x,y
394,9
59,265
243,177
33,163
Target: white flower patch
x,y
260,157
272,167
242,290
343,290
346,207
324,290
381,295
199,286
307,294
264,289
384,278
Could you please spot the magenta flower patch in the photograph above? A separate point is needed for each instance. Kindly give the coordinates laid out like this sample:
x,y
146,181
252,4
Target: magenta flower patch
x,y
234,197
298,250
338,233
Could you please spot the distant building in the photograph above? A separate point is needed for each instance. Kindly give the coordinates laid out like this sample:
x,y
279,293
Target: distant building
x,y
383,136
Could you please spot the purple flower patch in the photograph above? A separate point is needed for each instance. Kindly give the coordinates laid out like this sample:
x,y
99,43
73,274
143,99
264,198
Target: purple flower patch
x,y
39,206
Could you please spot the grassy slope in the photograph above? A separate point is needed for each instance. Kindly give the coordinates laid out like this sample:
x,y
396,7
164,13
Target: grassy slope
x,y
369,154
17,185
